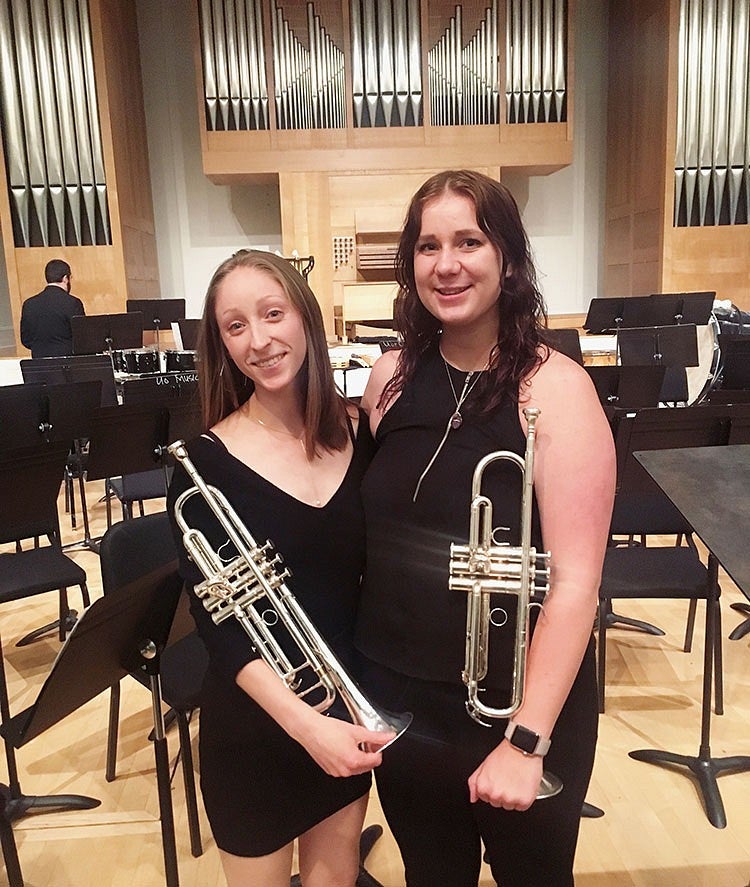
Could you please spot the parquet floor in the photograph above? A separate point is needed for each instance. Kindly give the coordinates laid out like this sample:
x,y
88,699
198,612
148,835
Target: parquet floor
x,y
654,831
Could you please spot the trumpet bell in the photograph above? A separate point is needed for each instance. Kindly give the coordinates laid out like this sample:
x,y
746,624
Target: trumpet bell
x,y
385,723
550,786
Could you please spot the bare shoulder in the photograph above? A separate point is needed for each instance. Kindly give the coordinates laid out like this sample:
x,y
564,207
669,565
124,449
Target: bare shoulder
x,y
559,376
563,392
381,373
353,413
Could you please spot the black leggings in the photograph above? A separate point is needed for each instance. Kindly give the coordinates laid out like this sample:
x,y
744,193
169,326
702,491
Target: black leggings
x,y
422,785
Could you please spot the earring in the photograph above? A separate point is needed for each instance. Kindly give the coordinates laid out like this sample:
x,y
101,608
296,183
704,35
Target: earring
x,y
221,371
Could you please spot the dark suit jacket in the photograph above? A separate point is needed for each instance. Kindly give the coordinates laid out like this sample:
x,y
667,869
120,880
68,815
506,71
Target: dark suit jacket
x,y
45,322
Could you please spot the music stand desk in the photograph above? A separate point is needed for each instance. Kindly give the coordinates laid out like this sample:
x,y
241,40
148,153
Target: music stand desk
x,y
104,333
702,482
118,633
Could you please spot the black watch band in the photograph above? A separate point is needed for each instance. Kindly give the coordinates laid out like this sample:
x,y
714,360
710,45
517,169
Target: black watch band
x,y
527,741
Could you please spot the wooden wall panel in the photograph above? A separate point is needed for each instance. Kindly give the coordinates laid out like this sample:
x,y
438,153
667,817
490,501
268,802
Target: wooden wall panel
x,y
115,32
712,258
636,136
103,276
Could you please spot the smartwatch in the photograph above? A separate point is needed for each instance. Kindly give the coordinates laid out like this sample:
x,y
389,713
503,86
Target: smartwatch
x,y
527,741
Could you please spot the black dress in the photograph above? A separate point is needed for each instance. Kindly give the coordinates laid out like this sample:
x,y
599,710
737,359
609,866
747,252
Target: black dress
x,y
260,787
412,629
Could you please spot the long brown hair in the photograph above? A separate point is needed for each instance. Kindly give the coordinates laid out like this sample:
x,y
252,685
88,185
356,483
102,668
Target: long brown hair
x,y
520,305
224,387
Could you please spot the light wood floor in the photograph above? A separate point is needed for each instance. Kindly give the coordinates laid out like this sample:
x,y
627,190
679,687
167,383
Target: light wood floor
x,y
654,831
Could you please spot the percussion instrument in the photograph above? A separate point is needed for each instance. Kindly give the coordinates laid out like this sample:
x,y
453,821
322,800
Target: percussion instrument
x,y
178,361
135,361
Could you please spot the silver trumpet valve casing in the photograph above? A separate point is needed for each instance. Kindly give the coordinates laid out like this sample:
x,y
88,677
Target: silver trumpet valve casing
x,y
250,587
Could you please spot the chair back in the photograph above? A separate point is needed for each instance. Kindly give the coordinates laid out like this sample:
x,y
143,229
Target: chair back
x,y
30,480
134,548
640,505
144,546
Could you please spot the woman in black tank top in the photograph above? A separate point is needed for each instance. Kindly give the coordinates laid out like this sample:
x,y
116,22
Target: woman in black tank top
x,y
473,358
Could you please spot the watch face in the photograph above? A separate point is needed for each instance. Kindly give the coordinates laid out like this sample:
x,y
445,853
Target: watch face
x,y
525,739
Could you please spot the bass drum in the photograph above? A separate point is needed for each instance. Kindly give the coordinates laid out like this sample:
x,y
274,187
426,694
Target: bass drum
x,y
704,378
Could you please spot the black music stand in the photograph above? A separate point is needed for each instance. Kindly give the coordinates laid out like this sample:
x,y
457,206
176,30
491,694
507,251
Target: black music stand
x,y
70,411
129,440
158,314
674,347
604,315
629,387
14,804
302,264
105,333
188,328
78,368
687,307
23,414
120,632
702,483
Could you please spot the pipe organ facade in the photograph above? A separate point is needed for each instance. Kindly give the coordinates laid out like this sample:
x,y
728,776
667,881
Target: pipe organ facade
x,y
386,49
50,124
536,52
370,74
712,157
234,68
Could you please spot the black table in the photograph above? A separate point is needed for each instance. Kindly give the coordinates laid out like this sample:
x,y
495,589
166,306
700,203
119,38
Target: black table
x,y
709,486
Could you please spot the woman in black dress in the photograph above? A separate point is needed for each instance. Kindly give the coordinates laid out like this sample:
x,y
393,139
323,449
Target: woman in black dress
x,y
289,454
474,357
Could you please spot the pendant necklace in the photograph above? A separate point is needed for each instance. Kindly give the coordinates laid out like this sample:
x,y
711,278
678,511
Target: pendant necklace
x,y
456,420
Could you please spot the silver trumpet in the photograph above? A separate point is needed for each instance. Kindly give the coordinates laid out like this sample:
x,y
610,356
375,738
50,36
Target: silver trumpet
x,y
483,568
250,587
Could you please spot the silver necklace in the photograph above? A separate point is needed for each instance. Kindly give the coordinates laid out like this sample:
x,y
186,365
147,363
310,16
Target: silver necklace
x,y
455,420
301,441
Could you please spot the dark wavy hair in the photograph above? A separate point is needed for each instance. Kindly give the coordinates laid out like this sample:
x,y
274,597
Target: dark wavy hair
x,y
224,387
520,305
55,270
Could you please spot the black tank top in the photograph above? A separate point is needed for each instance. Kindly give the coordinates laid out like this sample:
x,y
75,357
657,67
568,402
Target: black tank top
x,y
408,619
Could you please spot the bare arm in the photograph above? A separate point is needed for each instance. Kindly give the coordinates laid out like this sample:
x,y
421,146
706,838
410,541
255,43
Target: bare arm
x,y
382,371
333,744
574,478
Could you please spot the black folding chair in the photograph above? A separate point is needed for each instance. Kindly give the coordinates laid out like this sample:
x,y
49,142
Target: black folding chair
x,y
30,481
634,569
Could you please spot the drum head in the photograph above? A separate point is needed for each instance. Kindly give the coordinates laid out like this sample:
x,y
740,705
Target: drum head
x,y
701,380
